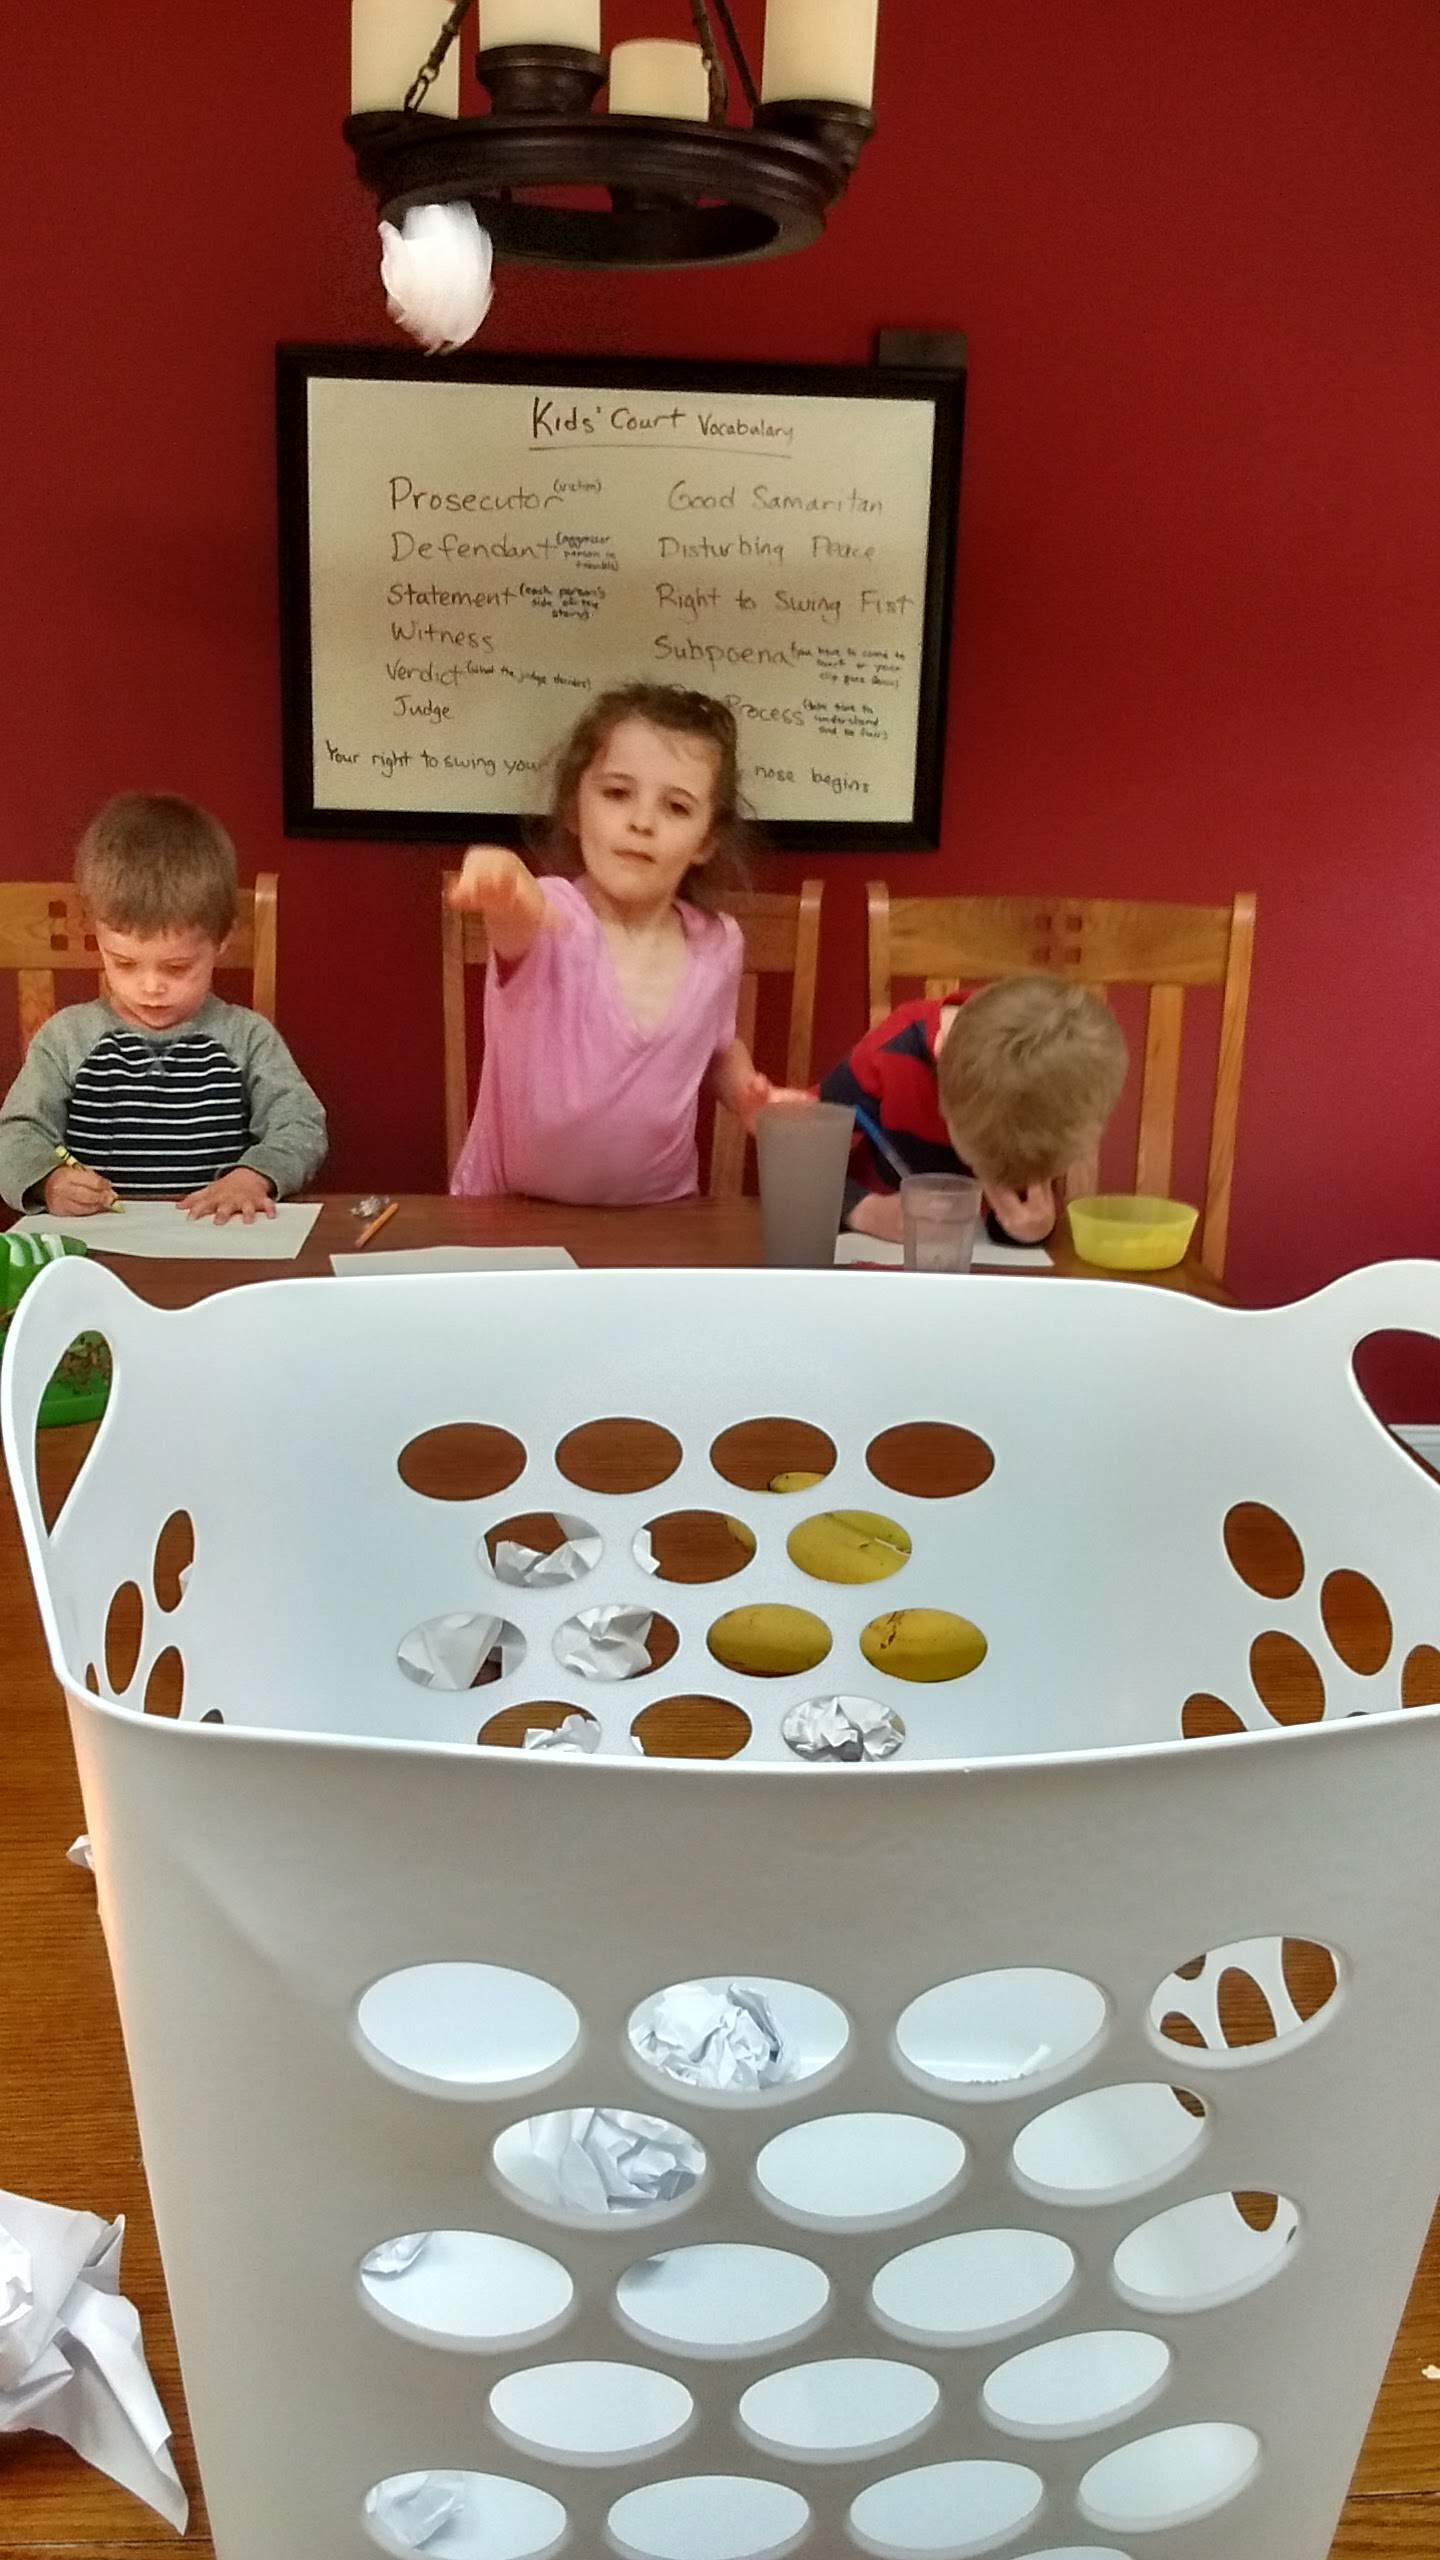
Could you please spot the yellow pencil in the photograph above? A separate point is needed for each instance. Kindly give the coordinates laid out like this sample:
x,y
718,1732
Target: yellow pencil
x,y
375,1226
63,1156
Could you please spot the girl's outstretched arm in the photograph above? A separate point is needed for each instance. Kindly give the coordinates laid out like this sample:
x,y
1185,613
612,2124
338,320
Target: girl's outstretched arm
x,y
495,884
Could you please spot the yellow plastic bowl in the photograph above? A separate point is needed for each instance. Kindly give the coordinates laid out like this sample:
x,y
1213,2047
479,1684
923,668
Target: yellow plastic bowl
x,y
1129,1231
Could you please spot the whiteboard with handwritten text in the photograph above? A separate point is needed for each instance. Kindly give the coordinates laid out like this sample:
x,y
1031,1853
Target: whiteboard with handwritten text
x,y
471,553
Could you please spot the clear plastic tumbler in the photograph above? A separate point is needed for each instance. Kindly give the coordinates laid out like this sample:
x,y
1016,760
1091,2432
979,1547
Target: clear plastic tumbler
x,y
941,1213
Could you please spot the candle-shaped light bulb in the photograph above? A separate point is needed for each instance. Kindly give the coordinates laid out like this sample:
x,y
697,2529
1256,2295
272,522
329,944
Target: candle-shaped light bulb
x,y
389,39
820,49
653,76
573,22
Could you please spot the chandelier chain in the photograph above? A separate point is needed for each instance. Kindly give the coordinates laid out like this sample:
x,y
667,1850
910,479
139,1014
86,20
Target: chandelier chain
x,y
714,67
732,38
429,70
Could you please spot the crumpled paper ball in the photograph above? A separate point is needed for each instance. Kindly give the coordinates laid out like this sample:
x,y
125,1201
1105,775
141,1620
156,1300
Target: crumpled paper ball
x,y
716,2039
436,274
843,1729
609,2159
72,2362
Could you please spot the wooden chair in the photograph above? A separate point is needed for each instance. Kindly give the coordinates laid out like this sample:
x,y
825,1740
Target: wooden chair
x,y
782,939
1103,942
44,929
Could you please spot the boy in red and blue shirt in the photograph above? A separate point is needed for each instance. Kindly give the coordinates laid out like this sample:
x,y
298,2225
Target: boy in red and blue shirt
x,y
1013,1084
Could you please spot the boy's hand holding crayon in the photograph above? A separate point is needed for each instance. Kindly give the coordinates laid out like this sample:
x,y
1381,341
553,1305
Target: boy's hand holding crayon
x,y
73,1191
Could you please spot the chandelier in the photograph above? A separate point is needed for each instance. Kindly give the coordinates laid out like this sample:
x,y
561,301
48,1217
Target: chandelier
x,y
662,177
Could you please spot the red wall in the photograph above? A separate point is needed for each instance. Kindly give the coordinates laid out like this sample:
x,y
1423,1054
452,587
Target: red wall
x,y
1195,253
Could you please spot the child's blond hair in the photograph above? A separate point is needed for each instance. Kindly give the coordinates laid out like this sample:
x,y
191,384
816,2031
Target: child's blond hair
x,y
1029,1072
154,863
684,715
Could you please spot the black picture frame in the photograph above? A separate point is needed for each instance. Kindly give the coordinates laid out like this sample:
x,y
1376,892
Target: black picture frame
x,y
300,364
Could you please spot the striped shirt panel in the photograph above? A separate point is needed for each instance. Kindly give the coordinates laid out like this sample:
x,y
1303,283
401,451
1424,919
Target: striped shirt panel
x,y
158,1120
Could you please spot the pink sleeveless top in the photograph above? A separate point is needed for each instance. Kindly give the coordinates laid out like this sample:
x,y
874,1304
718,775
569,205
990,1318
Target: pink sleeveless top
x,y
576,1103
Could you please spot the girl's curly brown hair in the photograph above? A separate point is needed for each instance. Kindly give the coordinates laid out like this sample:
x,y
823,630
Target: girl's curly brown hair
x,y
553,840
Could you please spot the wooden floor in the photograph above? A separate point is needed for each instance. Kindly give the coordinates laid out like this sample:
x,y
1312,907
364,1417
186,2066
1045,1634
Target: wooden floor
x,y
67,2132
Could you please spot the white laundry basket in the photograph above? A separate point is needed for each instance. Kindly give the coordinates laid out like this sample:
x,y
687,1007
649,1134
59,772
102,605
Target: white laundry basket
x,y
972,2276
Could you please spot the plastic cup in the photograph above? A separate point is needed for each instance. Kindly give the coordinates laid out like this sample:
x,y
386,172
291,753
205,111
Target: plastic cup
x,y
941,1213
804,1152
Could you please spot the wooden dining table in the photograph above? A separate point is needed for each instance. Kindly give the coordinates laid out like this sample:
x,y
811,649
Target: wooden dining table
x,y
67,2125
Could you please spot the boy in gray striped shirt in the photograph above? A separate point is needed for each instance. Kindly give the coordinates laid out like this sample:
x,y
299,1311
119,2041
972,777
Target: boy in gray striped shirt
x,y
158,1090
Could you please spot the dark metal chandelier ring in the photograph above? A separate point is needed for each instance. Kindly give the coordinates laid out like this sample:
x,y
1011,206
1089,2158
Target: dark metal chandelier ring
x,y
677,192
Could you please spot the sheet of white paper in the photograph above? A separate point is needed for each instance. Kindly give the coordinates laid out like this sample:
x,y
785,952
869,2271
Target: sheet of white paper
x,y
71,2358
454,1257
988,1256
158,1231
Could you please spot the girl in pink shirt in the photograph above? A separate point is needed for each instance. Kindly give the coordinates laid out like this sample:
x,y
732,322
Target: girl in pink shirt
x,y
611,988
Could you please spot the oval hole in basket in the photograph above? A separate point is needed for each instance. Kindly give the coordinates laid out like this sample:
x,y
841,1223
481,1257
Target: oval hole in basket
x,y
82,1377
595,1647
848,1546
1070,2386
618,1455
599,2164
696,1546
542,1533
1196,2256
722,2299
934,1460
461,1461
466,1649
946,2510
165,1683
989,2032
1109,2143
1264,1550
923,1645
482,2516
124,1634
174,1555
212,1715
508,1729
92,1679
591,2411
860,2172
692,1729
1420,1678
727,2517
466,2030
466,2289
1170,2479
769,1641
1357,1621
812,2028
839,2409
1204,1716
1255,1993
1287,1679
970,2286
753,1455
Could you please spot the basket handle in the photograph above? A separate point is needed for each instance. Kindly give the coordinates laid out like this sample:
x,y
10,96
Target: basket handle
x,y
74,1295
1381,1297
